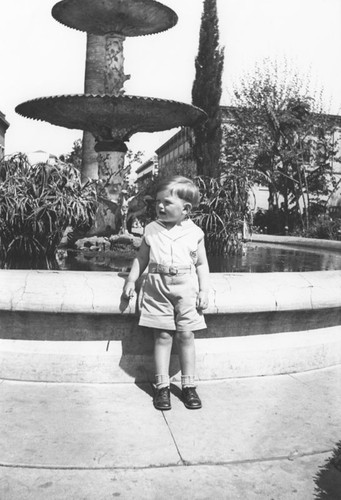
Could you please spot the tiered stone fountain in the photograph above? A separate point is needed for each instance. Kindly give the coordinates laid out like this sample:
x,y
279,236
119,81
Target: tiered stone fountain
x,y
108,117
56,325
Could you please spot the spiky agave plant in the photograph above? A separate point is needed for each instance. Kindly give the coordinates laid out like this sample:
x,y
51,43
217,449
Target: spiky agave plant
x,y
37,203
222,210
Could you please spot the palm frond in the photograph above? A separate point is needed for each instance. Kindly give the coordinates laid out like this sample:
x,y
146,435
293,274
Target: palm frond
x,y
37,203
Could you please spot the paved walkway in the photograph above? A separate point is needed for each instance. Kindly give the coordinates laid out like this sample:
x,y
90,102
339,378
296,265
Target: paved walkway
x,y
255,438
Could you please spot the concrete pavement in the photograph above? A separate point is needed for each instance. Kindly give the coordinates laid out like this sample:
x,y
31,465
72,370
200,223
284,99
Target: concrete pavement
x,y
257,438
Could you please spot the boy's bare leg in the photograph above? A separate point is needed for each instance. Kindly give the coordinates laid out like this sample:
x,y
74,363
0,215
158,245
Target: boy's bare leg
x,y
186,350
163,341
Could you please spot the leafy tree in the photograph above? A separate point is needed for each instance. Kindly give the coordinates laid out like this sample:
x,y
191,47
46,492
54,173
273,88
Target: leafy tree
x,y
132,161
206,92
280,130
74,158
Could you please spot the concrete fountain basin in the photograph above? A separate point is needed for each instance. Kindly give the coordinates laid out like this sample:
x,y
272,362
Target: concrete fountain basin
x,y
72,326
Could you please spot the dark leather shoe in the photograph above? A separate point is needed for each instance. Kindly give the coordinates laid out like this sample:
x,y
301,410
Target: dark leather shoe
x,y
191,398
162,399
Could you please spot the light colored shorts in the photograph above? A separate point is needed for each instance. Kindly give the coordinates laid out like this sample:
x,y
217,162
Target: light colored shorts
x,y
169,303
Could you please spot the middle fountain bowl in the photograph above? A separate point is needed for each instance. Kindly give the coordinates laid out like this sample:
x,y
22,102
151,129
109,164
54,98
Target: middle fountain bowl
x,y
108,116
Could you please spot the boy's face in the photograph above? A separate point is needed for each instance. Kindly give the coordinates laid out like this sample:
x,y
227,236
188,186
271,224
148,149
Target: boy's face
x,y
170,208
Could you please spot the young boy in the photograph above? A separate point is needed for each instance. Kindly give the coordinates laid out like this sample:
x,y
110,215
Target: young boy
x,y
176,288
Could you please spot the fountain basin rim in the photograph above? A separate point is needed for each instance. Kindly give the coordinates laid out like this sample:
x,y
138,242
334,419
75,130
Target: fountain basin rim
x,y
297,241
98,293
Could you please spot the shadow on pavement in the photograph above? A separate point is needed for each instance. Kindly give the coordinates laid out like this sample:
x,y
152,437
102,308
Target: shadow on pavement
x,y
146,387
176,391
328,478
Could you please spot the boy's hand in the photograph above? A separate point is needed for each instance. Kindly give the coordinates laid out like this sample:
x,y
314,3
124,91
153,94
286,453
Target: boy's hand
x,y
202,300
129,290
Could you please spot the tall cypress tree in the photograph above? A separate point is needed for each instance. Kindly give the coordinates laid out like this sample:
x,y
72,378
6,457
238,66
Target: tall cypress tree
x,y
206,92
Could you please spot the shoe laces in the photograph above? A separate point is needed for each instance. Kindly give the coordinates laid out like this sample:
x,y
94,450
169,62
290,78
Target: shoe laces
x,y
190,392
163,393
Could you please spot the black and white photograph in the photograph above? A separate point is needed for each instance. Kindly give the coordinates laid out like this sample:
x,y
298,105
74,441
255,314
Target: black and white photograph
x,y
170,250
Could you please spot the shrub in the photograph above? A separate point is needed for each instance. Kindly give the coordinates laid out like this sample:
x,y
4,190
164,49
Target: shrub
x,y
322,227
271,221
221,214
37,203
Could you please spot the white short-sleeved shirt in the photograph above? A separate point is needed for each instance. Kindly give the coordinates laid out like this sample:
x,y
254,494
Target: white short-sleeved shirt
x,y
175,246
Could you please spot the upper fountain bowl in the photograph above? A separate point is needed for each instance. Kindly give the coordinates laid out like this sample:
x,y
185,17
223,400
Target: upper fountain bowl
x,y
122,17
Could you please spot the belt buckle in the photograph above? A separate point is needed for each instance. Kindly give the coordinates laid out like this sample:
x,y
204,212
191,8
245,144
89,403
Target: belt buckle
x,y
173,270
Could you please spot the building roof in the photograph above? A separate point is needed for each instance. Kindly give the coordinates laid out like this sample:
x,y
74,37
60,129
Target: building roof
x,y
173,139
146,164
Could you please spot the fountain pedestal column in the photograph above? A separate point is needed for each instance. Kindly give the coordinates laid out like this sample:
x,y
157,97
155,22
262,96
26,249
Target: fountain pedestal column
x,y
93,84
104,74
111,157
114,76
104,160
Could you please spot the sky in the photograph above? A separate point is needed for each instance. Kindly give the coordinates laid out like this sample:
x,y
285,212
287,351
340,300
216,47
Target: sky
x,y
41,57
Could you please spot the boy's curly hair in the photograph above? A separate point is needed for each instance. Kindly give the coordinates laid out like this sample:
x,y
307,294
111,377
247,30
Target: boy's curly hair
x,y
183,188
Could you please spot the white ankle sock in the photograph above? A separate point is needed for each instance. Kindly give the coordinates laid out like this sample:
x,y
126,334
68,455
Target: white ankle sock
x,y
161,381
187,381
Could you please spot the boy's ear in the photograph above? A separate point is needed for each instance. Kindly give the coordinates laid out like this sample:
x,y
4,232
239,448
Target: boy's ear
x,y
187,207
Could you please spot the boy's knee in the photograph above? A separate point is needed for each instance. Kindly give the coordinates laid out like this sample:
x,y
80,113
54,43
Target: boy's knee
x,y
163,336
184,336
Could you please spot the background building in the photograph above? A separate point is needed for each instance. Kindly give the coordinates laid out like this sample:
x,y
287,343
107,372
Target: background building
x,y
147,171
3,127
176,152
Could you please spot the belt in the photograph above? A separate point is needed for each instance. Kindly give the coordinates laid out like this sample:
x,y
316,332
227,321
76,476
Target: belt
x,y
171,270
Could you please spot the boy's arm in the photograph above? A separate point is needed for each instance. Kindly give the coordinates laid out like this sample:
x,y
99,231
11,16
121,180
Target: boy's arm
x,y
203,276
139,265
